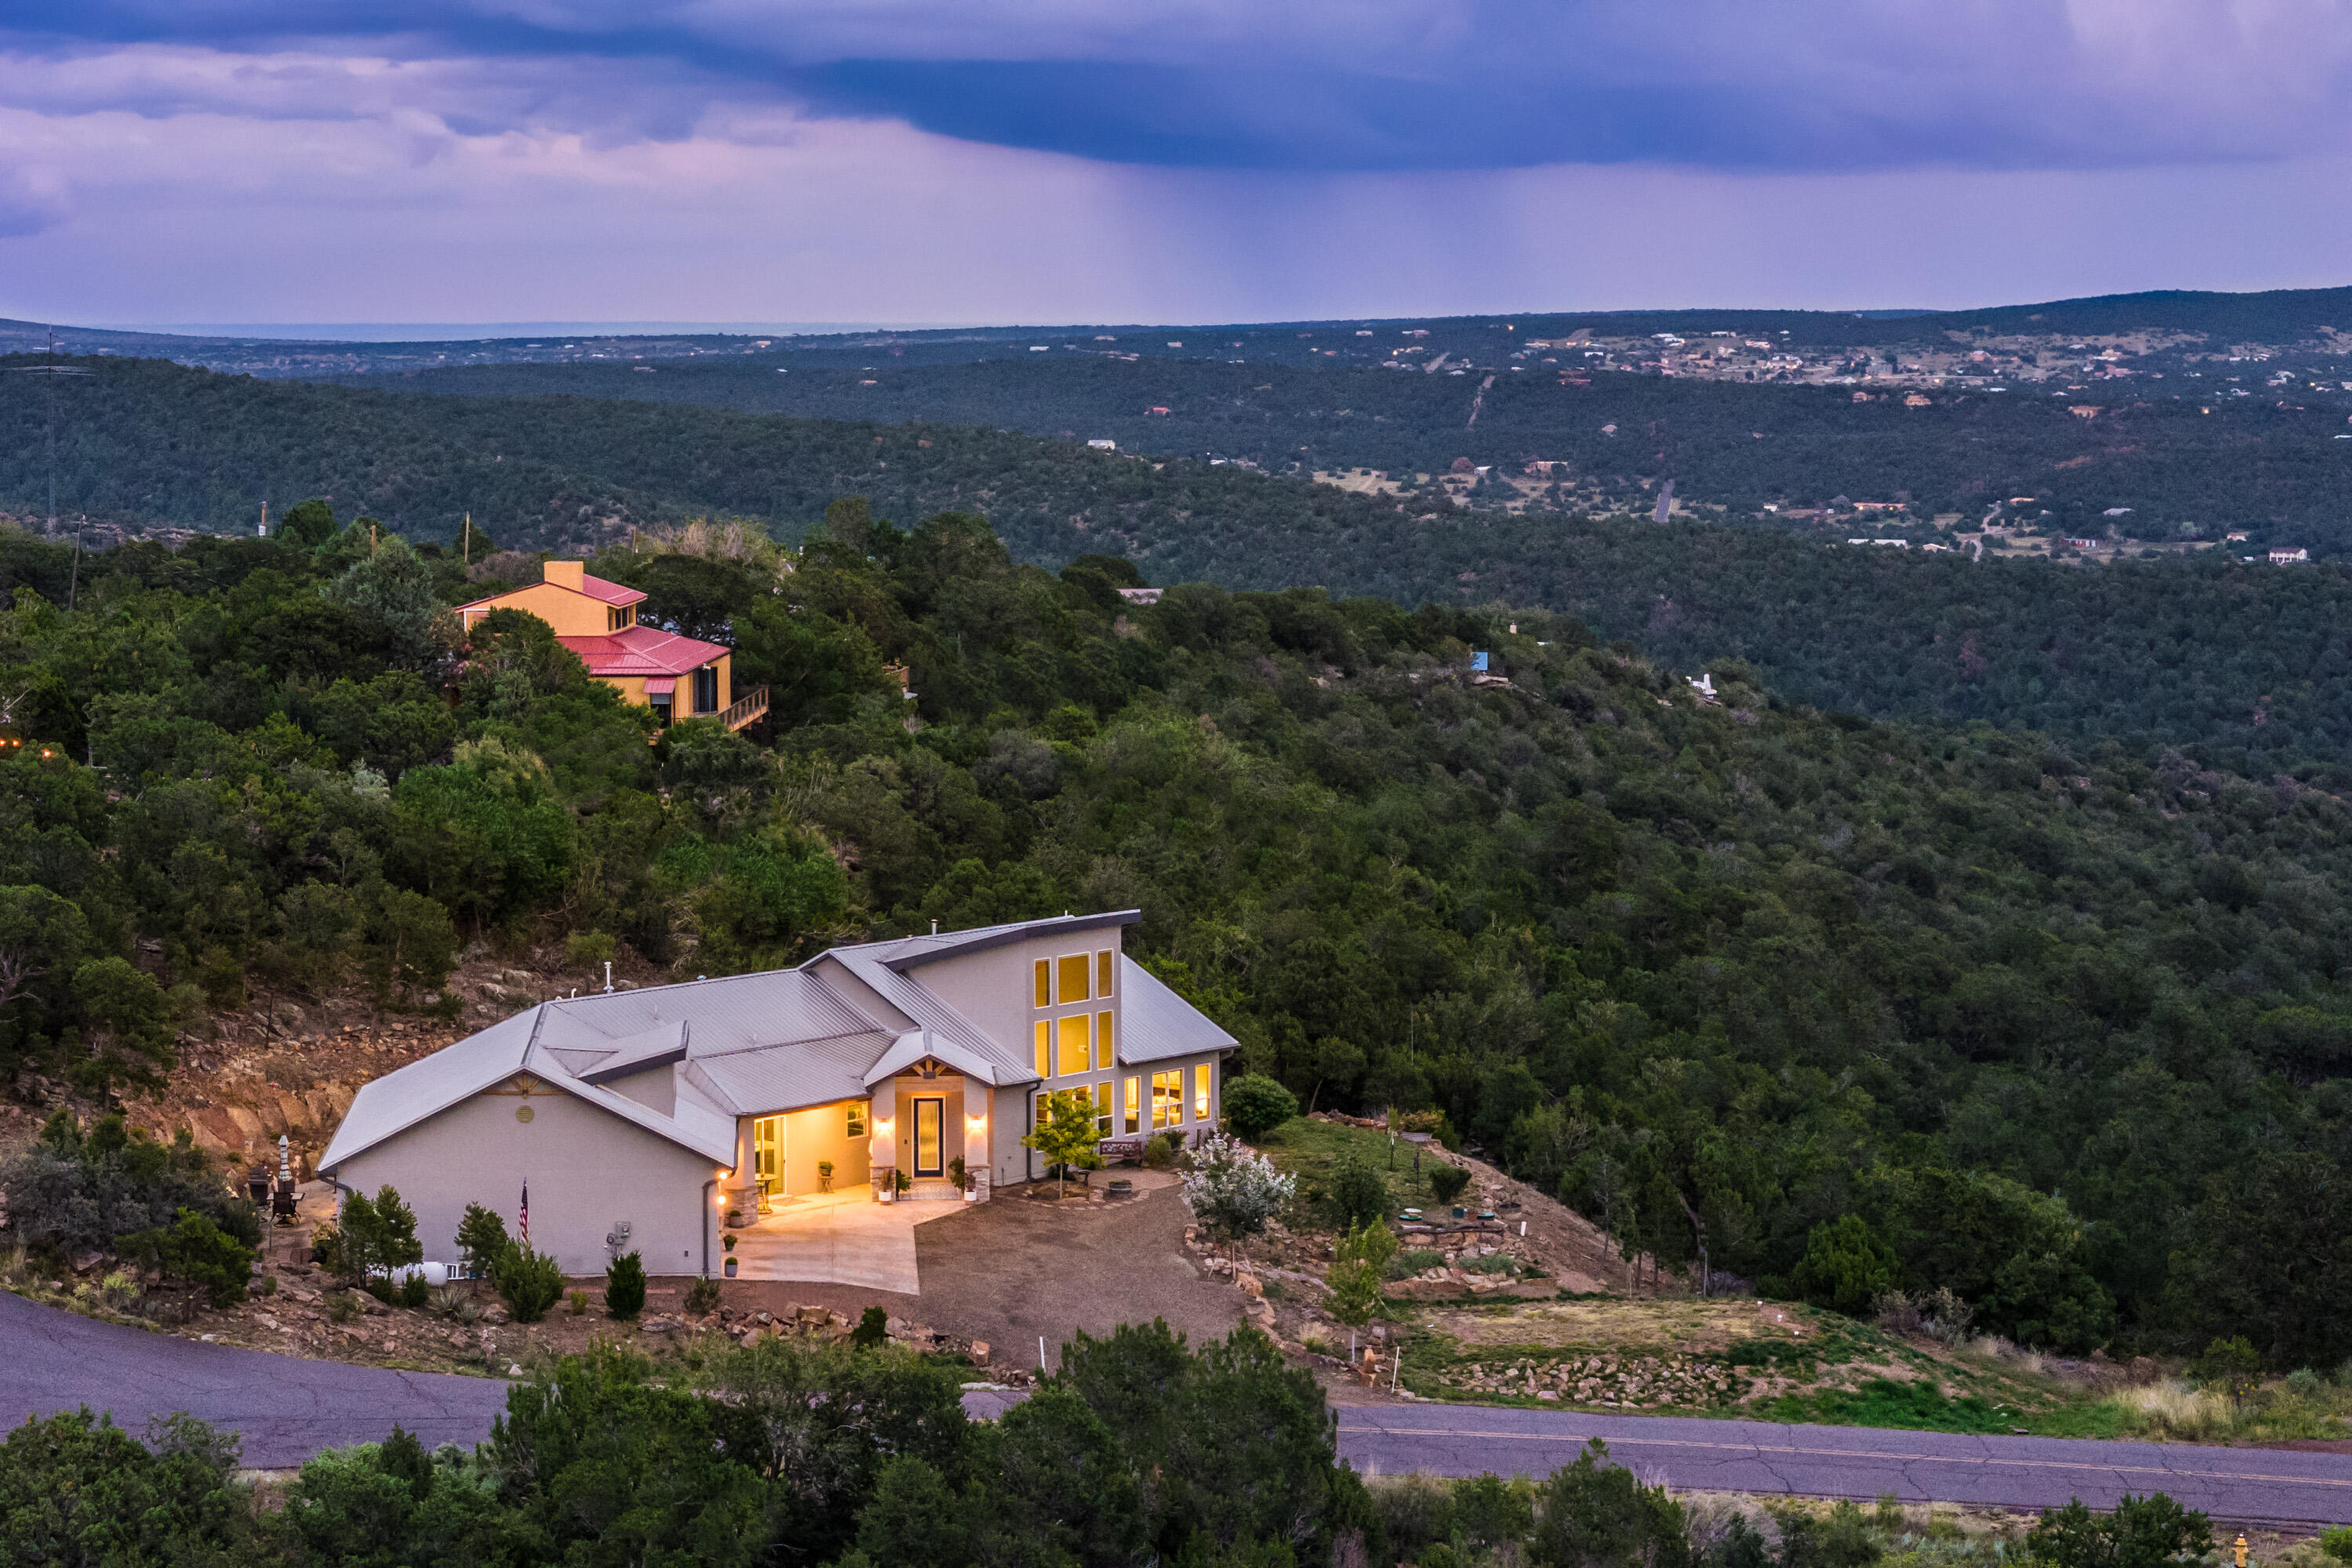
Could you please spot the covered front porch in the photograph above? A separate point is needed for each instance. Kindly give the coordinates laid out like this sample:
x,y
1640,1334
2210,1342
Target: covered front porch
x,y
931,1127
840,1238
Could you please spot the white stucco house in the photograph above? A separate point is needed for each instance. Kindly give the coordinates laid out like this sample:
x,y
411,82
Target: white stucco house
x,y
641,1119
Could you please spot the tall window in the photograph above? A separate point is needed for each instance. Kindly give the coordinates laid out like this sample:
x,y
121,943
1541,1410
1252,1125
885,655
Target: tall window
x,y
1076,1049
1042,1060
1102,1108
706,690
1104,963
1044,992
1201,1092
1131,1102
1070,982
855,1125
1167,1098
1102,1042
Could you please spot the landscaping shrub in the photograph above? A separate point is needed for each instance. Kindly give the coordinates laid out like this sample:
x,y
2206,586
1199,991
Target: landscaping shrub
x,y
1256,1105
2232,1364
1447,1182
74,1192
701,1296
2142,1532
873,1329
1845,1266
528,1281
1418,1260
625,1286
77,1488
1358,1195
195,1251
414,1292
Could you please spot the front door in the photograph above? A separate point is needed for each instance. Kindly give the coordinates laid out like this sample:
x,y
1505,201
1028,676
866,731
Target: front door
x,y
768,1154
930,1115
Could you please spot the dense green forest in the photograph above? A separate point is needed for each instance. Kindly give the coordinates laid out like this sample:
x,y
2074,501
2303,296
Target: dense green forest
x,y
2244,666
2055,1017
2185,468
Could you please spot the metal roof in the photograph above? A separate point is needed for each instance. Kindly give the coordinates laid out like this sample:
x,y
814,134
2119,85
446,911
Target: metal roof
x,y
1155,1024
755,1044
642,650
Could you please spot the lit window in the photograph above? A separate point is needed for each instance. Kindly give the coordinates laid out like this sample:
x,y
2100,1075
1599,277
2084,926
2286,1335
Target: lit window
x,y
1131,1101
1102,1108
1201,1092
1102,1042
1104,963
1167,1098
1042,1060
1073,979
856,1122
1045,992
1076,1053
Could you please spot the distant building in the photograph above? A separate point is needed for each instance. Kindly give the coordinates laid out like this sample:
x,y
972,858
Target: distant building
x,y
2236,537
1157,408
677,676
1103,444
1141,595
2289,557
2085,543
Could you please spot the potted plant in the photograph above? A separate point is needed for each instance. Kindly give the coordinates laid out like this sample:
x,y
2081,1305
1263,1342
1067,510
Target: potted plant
x,y
729,1243
887,1186
824,1175
899,1180
960,1177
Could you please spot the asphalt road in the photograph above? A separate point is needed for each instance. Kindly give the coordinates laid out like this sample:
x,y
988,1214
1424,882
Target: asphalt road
x,y
287,1408
2239,1486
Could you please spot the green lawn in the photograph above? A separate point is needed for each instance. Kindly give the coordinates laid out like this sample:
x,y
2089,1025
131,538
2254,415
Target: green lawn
x,y
1309,1151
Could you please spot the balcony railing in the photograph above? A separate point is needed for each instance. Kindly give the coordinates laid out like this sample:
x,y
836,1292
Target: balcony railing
x,y
748,708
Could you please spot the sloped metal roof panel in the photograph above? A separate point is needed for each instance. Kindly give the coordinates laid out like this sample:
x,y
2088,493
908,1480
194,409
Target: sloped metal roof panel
x,y
757,1082
408,1095
1155,1024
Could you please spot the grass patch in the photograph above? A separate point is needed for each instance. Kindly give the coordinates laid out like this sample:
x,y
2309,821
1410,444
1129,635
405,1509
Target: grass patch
x,y
1311,1149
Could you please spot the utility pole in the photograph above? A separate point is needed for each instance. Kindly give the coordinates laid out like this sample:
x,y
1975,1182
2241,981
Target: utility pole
x,y
52,371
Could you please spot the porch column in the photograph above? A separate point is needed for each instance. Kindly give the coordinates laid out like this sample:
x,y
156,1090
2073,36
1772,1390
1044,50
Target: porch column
x,y
741,1187
882,1145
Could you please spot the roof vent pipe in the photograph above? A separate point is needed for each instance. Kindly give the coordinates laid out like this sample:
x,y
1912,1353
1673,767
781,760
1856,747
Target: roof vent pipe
x,y
935,925
608,977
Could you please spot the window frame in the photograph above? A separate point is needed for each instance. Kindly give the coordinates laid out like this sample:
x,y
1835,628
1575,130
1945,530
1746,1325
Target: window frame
x,y
1202,1089
1069,1042
1106,1057
1062,995
856,1124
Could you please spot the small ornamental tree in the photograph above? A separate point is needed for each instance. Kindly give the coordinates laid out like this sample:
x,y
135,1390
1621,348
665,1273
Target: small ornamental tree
x,y
625,1286
2142,1532
1359,1264
1256,1105
1067,1137
482,1235
1447,1182
1233,1189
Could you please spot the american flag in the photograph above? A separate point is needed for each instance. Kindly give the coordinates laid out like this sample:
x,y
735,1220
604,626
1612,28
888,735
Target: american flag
x,y
526,1211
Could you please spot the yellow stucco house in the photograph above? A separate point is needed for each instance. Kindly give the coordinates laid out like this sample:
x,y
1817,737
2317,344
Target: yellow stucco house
x,y
677,676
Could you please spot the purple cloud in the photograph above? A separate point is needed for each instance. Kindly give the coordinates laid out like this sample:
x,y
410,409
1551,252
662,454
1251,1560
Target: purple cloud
x,y
1379,84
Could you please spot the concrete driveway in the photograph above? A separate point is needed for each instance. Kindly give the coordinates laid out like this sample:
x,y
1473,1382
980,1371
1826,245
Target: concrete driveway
x,y
839,1238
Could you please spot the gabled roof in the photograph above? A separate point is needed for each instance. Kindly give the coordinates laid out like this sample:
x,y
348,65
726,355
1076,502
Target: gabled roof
x,y
642,650
755,1044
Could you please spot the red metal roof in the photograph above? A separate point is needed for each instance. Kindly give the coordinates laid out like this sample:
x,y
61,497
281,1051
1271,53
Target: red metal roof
x,y
611,593
642,650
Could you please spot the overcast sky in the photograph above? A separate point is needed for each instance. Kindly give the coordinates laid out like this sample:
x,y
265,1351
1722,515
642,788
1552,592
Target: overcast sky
x,y
1057,161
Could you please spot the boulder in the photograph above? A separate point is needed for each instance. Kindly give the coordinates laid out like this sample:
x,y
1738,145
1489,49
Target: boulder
x,y
1250,1286
980,1353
